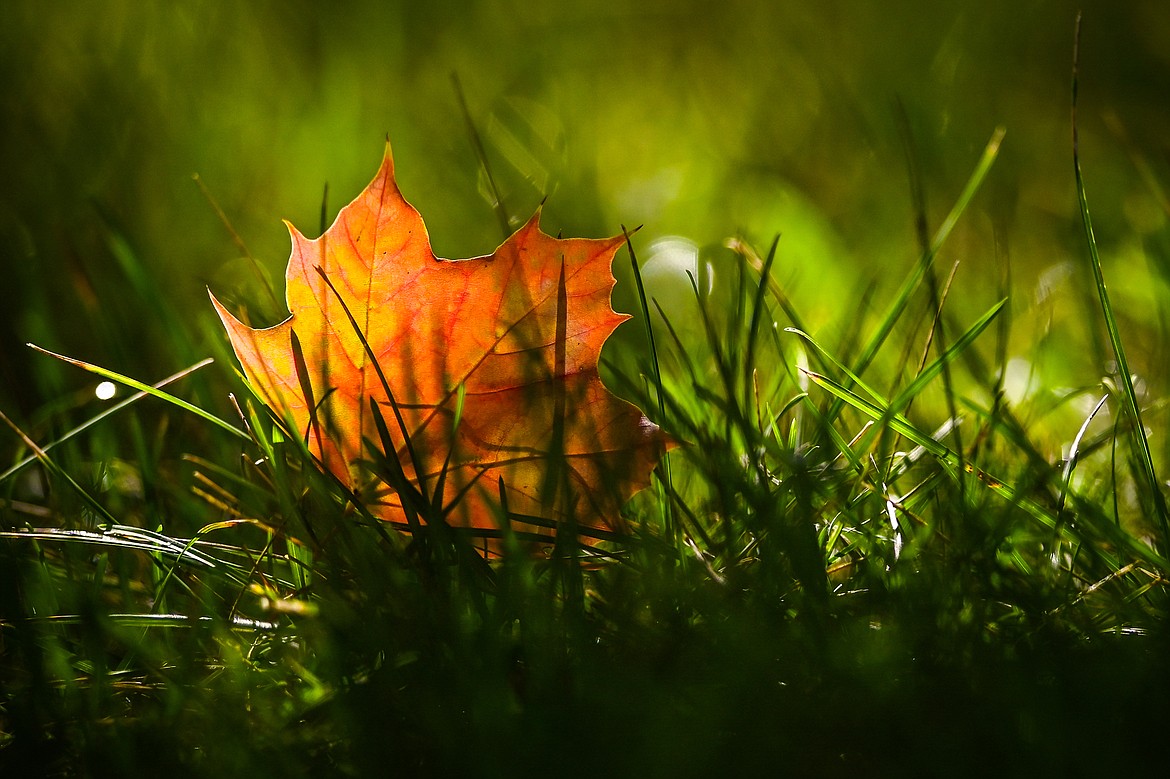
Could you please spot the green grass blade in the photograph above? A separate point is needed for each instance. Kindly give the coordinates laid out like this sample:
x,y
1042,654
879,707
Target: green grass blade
x,y
1114,534
758,308
643,302
928,374
104,414
667,506
57,471
1129,395
894,313
149,390
932,371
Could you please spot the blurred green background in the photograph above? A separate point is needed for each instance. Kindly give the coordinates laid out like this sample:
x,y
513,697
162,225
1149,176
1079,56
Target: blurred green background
x,y
698,120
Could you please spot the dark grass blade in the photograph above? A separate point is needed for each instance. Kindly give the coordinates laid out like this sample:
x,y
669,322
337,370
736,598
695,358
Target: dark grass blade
x,y
643,302
441,481
324,222
430,506
656,367
778,294
556,477
566,546
413,501
415,462
680,350
501,210
257,270
286,492
509,535
306,390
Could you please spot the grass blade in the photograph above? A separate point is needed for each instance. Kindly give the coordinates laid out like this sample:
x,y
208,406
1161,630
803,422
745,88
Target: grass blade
x,y
894,313
108,412
149,390
1114,534
1129,395
667,506
60,473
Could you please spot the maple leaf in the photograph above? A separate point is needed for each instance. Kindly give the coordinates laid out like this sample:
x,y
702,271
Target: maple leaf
x,y
491,364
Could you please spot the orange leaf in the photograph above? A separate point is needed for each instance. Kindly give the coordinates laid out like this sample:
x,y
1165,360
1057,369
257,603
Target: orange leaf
x,y
520,330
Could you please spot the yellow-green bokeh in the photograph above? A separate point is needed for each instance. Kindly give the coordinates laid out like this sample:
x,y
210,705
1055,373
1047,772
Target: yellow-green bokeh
x,y
696,120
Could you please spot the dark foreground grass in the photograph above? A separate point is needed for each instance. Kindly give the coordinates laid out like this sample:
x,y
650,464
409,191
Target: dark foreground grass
x,y
860,562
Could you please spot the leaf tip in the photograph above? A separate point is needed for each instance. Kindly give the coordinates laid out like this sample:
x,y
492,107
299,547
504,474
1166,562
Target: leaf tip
x,y
388,157
296,235
230,321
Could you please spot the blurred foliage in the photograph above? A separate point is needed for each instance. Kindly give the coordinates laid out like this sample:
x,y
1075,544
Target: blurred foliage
x,y
694,119
700,121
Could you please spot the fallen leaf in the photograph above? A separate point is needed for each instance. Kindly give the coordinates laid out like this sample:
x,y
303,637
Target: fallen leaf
x,y
492,363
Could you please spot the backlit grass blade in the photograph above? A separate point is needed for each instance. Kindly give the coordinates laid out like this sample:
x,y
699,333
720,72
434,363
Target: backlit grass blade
x,y
122,536
1128,394
1114,534
1074,453
898,306
925,376
161,621
108,412
149,390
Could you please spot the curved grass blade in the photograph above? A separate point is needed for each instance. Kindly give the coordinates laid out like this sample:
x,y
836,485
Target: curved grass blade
x,y
756,320
1074,453
157,621
123,536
